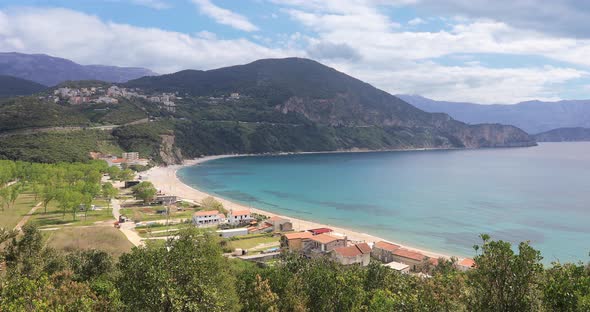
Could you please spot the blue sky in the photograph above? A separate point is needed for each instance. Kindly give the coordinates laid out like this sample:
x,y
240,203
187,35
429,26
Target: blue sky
x,y
464,50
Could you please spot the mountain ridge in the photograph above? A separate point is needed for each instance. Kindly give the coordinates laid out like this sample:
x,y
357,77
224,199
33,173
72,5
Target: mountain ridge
x,y
14,86
532,116
50,71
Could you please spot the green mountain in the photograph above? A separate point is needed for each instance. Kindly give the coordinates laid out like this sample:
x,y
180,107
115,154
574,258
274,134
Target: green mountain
x,y
12,86
268,106
564,135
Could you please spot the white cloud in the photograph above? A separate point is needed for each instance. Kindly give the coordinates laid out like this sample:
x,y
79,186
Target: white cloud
x,y
88,40
224,16
154,4
416,21
389,58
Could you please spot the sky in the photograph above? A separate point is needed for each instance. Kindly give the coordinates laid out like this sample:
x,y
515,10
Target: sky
x,y
483,51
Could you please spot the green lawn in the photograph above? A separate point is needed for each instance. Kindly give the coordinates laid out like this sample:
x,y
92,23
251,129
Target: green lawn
x,y
11,216
148,213
55,217
248,243
100,237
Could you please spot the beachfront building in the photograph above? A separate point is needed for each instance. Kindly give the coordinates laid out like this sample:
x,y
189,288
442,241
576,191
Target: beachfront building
x,y
236,217
409,257
383,251
264,228
398,266
296,241
359,254
232,232
207,218
324,243
466,264
279,224
319,231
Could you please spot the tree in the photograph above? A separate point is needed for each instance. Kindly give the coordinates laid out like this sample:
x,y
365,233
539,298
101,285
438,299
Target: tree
x,y
188,274
109,192
5,197
126,175
15,191
145,191
210,203
48,193
503,280
263,298
567,287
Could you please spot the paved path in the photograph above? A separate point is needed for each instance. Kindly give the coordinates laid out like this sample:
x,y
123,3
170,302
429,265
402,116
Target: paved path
x,y
127,228
26,218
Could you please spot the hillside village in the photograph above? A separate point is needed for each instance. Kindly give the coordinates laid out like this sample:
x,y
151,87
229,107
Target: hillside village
x,y
111,95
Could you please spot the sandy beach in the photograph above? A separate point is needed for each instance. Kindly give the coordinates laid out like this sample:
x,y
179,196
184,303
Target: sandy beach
x,y
166,180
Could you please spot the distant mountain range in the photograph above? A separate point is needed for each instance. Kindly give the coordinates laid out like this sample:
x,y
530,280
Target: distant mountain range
x,y
564,135
532,116
12,86
50,71
268,106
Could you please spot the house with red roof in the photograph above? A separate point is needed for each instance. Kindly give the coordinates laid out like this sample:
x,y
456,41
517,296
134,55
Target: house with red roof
x,y
383,251
323,243
279,224
409,257
359,254
207,218
319,231
295,241
466,264
236,217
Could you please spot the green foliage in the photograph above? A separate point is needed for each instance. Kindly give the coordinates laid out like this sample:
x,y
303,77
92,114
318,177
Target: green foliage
x,y
505,281
30,112
189,274
143,138
145,191
53,147
210,203
12,86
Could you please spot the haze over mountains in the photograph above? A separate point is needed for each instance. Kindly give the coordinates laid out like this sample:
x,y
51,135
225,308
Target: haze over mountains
x,y
532,116
50,71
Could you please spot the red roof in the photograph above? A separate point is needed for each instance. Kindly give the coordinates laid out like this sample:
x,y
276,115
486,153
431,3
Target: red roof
x,y
409,254
467,262
320,231
298,235
325,238
118,160
276,218
353,251
386,246
206,213
240,213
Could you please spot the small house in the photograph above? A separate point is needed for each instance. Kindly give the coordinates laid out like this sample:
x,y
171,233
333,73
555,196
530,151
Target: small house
x,y
383,251
166,200
466,264
359,254
409,257
326,242
320,231
239,216
400,267
295,241
232,232
279,224
207,218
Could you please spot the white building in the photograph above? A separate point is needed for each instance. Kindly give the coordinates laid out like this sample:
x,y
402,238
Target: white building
x,y
232,232
207,218
239,216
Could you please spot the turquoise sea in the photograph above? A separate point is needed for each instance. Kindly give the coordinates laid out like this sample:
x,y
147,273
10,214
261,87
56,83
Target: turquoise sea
x,y
437,200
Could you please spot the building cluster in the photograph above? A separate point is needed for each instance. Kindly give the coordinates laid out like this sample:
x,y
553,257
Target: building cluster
x,y
324,242
111,95
129,158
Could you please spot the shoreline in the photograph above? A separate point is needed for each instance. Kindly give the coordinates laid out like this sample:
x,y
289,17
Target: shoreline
x,y
166,180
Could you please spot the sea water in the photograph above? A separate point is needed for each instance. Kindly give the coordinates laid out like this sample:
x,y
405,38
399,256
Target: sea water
x,y
440,200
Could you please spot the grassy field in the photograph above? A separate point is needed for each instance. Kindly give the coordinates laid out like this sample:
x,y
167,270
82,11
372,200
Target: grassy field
x,y
249,243
105,238
148,213
55,217
11,216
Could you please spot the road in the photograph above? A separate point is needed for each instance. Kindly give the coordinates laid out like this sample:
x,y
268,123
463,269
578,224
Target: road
x,y
26,218
127,228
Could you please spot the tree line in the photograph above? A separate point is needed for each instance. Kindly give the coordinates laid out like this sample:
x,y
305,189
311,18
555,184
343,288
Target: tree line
x,y
191,274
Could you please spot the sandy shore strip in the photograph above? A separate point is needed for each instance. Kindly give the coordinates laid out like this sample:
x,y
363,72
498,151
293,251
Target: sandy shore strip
x,y
165,179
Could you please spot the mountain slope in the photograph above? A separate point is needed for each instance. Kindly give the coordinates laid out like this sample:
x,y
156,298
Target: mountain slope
x,y
564,135
50,71
531,116
308,91
12,86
